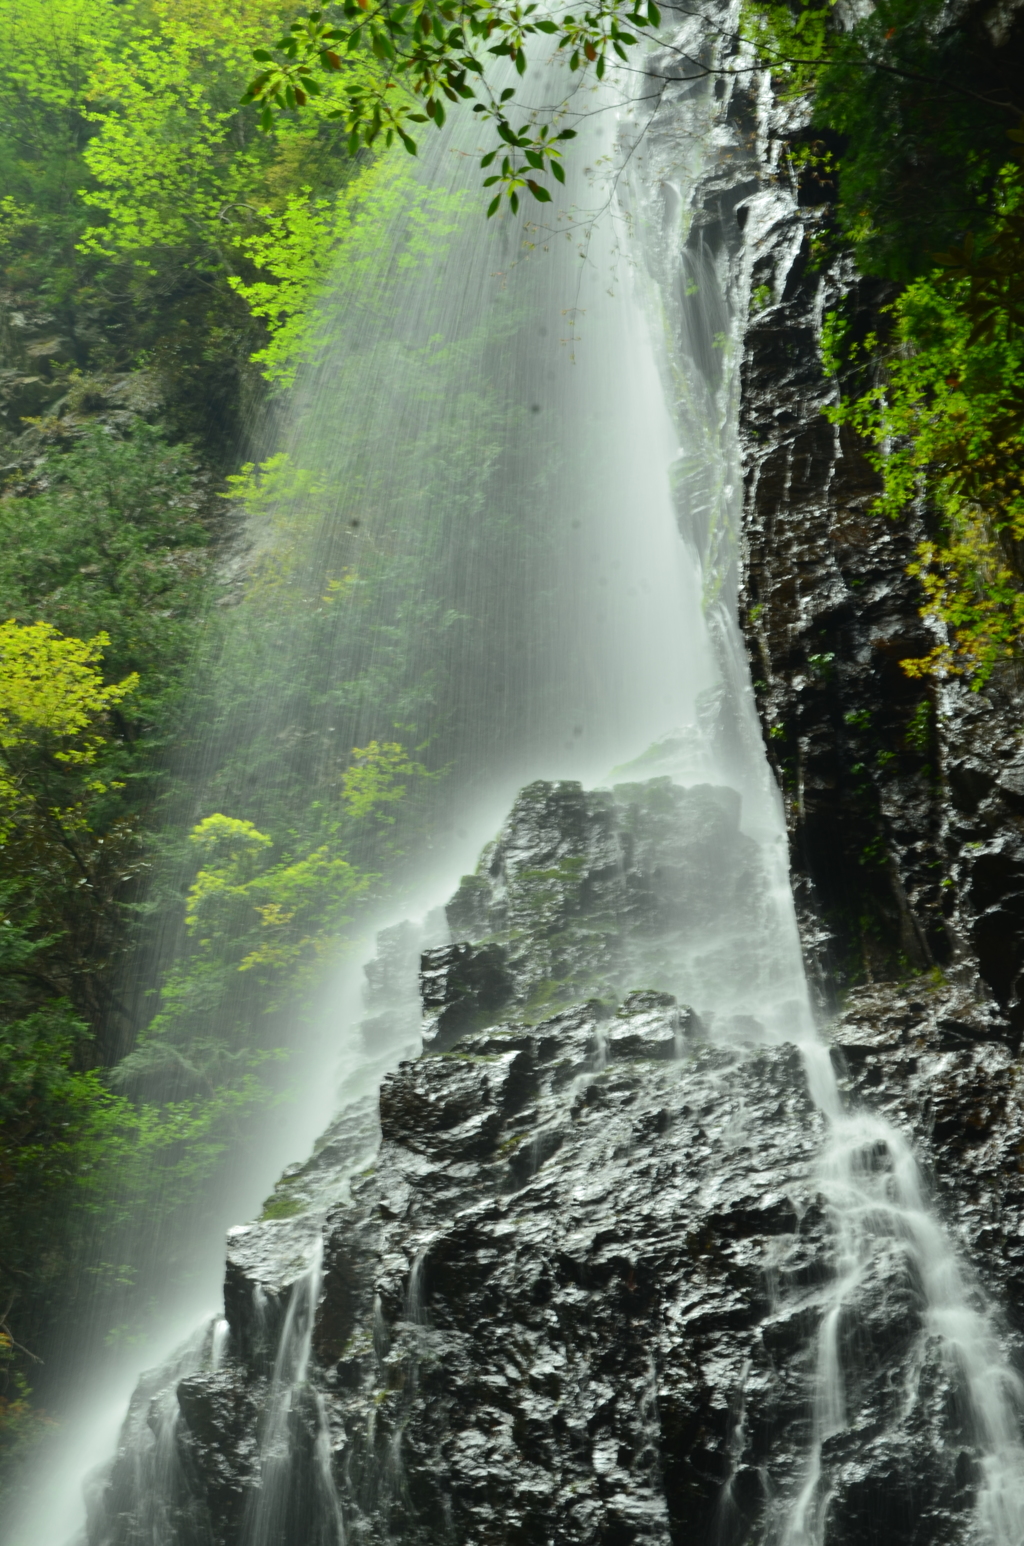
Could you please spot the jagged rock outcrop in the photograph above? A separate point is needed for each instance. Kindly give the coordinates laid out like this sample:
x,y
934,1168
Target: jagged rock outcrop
x,y
903,797
575,1295
591,892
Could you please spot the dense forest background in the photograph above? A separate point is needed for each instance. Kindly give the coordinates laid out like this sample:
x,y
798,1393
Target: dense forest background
x,y
168,906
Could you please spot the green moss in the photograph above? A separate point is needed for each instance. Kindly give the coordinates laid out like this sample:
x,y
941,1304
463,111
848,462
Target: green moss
x,y
281,1208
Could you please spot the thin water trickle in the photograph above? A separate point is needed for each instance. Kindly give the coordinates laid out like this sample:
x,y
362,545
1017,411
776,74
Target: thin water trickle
x,y
291,1502
872,1184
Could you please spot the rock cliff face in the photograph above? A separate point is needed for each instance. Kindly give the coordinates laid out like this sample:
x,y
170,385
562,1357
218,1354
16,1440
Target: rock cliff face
x,y
574,1298
905,800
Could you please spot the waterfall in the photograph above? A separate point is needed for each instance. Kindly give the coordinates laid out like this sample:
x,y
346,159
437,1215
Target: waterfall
x,y
869,1175
524,415
286,1505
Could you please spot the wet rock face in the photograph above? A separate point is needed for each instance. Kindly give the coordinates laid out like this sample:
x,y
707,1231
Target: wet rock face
x,y
595,892
935,1062
576,1295
580,1270
562,1278
904,799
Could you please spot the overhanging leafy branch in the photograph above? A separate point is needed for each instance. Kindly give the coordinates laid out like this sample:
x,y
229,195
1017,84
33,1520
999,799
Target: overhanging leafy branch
x,y
430,54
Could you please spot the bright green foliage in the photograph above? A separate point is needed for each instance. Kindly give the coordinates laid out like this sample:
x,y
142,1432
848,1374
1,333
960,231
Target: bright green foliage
x,y
225,828
435,53
793,41
111,548
51,696
911,107
114,544
167,158
273,916
134,183
370,784
300,247
947,422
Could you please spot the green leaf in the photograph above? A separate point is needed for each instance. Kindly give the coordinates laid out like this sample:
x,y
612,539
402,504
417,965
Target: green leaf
x,y
407,141
557,172
513,199
653,14
492,208
262,54
486,160
539,193
509,91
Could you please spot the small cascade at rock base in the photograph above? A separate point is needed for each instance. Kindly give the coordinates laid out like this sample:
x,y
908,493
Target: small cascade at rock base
x,y
625,1256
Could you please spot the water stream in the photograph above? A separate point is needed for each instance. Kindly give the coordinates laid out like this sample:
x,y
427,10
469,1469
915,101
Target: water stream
x,y
534,413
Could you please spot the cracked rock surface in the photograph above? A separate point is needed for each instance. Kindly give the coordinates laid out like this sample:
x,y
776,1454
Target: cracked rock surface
x,y
576,1295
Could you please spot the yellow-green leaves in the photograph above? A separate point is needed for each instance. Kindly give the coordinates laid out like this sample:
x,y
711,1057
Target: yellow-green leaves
x,y
792,41
270,916
946,425
52,697
295,249
159,156
52,686
233,852
371,782
248,912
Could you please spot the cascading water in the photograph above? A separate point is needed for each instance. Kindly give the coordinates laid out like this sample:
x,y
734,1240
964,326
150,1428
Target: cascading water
x,y
275,1509
598,648
868,1172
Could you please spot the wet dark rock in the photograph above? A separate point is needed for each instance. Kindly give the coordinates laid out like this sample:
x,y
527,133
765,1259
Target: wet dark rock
x,y
216,1409
571,1298
554,1340
903,796
576,1296
599,892
461,986
934,1061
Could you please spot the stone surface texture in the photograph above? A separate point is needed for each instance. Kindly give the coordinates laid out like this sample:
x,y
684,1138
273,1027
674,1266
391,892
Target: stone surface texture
x,y
574,1297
